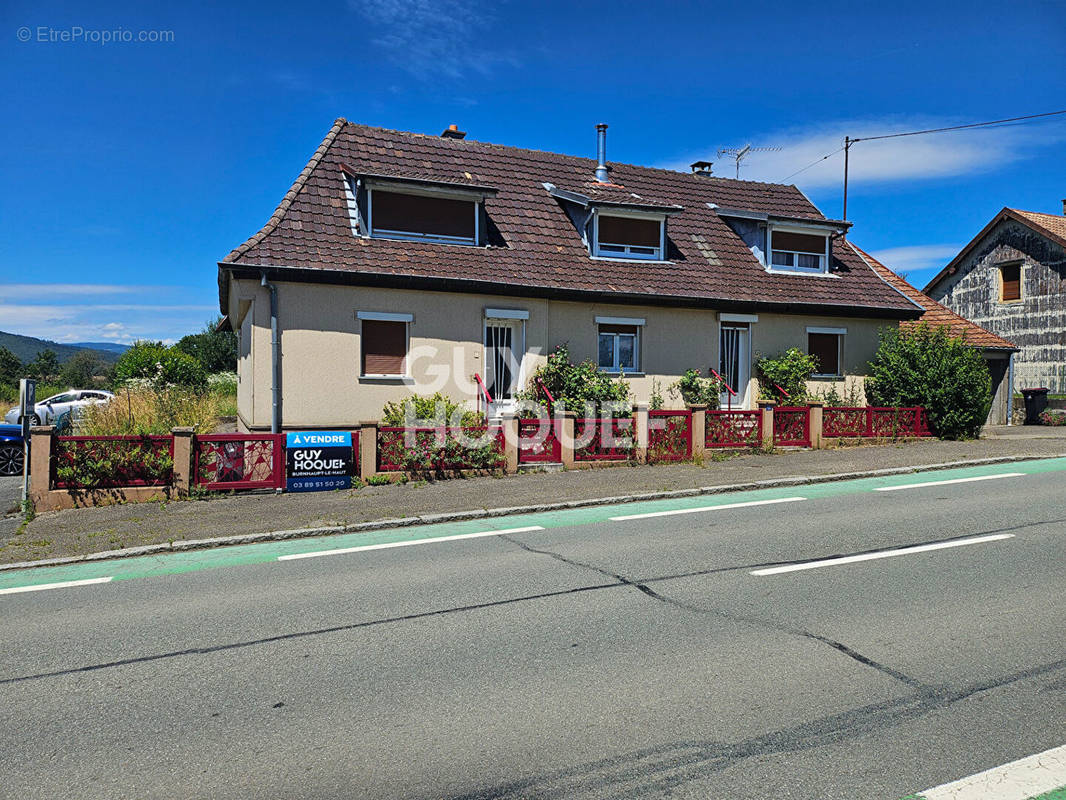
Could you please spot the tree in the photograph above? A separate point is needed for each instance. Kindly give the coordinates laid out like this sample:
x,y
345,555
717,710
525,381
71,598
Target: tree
x,y
44,367
216,350
926,366
10,366
160,366
81,369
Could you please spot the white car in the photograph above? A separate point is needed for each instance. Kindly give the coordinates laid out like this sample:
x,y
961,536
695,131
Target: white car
x,y
49,410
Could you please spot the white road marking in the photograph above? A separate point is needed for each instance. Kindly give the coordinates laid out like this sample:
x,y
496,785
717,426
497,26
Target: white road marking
x,y
945,483
40,587
706,508
407,543
903,551
1018,780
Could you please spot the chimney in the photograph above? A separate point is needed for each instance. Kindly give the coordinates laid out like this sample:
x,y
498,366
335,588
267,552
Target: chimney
x,y
601,153
1064,206
453,132
701,167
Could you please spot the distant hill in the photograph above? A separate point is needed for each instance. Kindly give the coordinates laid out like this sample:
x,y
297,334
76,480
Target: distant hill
x,y
110,347
27,347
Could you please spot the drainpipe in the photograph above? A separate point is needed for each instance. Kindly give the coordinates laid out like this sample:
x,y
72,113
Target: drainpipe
x,y
275,356
1010,389
601,153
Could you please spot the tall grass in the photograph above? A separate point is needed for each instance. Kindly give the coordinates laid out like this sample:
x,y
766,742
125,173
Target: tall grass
x,y
140,411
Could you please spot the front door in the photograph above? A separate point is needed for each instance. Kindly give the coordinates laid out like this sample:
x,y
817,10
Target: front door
x,y
735,363
503,347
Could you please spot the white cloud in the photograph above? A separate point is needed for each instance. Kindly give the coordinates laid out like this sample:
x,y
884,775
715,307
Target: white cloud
x,y
432,37
903,158
31,291
917,257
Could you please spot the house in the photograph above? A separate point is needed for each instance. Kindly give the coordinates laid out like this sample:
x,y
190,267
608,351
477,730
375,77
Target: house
x,y
401,262
1011,280
996,350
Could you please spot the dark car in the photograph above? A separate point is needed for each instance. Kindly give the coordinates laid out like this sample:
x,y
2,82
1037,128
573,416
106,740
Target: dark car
x,y
11,449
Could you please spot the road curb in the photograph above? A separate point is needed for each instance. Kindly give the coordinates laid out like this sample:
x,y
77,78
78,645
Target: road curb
x,y
489,513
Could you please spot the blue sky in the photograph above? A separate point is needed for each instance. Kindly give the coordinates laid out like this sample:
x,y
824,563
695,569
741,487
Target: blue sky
x,y
130,168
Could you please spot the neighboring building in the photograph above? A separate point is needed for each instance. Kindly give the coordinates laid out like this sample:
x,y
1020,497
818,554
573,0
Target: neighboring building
x,y
400,262
996,350
1011,279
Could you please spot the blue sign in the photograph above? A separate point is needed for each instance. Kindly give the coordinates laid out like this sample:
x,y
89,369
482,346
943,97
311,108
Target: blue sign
x,y
318,461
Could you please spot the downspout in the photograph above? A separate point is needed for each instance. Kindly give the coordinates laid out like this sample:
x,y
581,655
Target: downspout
x,y
275,356
1010,389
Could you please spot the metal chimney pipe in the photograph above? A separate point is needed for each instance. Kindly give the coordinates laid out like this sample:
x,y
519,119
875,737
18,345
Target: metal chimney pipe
x,y
601,153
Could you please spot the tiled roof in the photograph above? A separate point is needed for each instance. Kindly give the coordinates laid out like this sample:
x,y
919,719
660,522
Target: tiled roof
x,y
1049,225
936,314
535,248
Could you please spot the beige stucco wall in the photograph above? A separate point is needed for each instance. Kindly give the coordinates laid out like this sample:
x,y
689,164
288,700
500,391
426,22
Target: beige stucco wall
x,y
320,346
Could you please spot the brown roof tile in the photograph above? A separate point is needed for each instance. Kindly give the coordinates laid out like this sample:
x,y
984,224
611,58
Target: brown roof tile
x,y
535,246
936,314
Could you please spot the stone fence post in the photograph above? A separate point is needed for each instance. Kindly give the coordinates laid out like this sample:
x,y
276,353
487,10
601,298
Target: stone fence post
x,y
698,431
41,465
766,407
509,422
368,449
566,432
640,432
814,410
183,460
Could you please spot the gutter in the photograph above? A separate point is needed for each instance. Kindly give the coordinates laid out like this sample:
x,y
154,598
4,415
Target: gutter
x,y
275,356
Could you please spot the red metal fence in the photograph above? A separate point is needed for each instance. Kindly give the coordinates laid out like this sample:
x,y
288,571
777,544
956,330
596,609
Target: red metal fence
x,y
107,462
439,448
792,426
606,439
733,429
669,436
225,461
538,441
874,422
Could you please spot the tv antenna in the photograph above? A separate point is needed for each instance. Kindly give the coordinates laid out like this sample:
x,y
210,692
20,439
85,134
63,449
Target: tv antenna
x,y
738,154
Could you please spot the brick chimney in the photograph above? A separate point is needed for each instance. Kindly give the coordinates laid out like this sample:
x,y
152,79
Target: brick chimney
x,y
453,132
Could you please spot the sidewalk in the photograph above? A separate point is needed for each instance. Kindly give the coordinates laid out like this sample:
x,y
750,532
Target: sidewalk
x,y
82,531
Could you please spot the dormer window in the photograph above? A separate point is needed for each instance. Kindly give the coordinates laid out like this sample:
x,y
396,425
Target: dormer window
x,y
415,209
628,236
792,251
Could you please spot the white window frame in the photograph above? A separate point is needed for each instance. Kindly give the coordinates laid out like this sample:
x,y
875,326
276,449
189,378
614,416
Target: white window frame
x,y
840,333
626,251
823,258
415,236
387,316
518,320
615,368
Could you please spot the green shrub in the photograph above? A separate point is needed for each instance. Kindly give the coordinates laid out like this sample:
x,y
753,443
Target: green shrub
x,y
437,409
925,366
158,365
215,350
697,390
576,384
789,371
378,480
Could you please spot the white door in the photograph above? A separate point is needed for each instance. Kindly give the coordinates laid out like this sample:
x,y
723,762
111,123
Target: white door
x,y
735,363
503,361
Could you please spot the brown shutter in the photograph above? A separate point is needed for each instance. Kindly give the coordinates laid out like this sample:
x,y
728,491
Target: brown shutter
x,y
604,328
826,348
627,230
1011,275
440,216
798,242
384,347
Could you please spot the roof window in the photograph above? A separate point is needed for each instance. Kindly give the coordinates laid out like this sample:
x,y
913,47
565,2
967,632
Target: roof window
x,y
629,236
798,252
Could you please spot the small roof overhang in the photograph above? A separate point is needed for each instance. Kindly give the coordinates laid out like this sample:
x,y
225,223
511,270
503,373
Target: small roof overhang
x,y
420,184
837,225
583,200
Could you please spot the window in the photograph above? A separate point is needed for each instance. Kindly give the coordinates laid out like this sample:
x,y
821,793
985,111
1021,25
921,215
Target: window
x,y
1010,283
384,344
798,252
619,344
394,215
629,237
826,345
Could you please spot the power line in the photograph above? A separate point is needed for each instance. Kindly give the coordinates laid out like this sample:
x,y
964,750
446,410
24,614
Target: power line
x,y
816,161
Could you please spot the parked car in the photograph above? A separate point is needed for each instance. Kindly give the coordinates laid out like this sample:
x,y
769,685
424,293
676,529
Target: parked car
x,y
10,450
69,402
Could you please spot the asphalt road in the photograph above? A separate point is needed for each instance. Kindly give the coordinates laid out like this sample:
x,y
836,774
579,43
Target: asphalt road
x,y
594,658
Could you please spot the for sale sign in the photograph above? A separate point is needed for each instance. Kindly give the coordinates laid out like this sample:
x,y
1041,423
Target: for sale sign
x,y
316,461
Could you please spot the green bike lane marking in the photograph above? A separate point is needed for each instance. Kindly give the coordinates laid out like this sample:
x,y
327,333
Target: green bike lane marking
x,y
265,552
